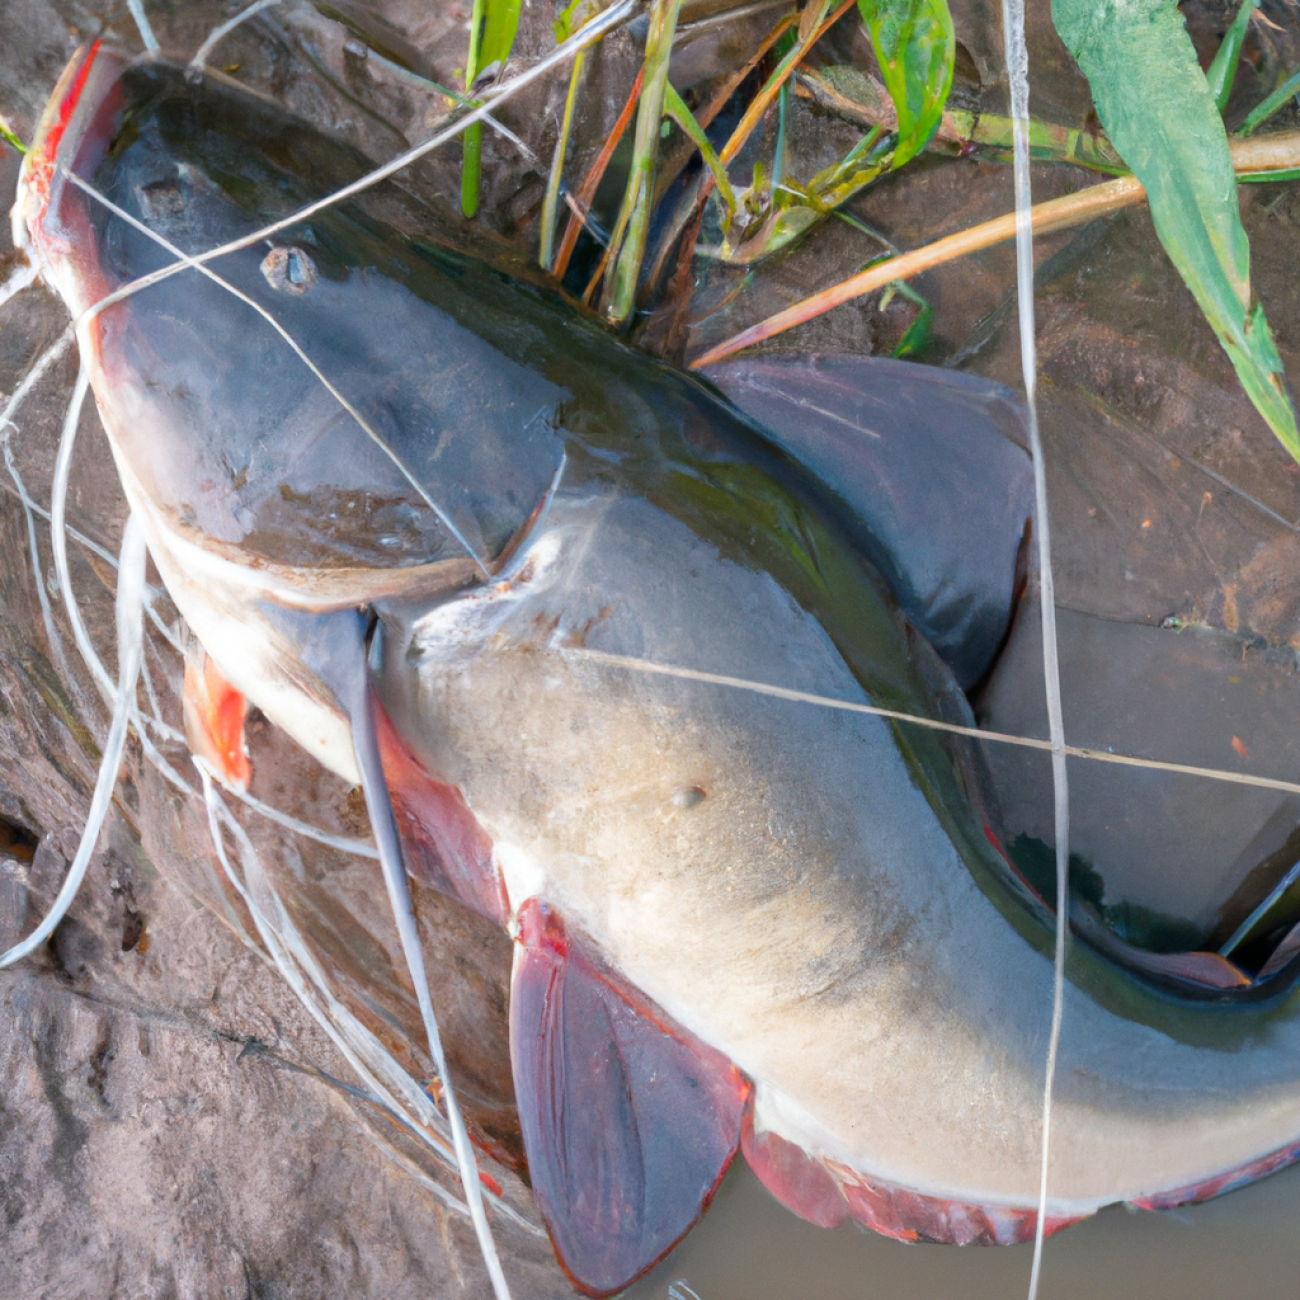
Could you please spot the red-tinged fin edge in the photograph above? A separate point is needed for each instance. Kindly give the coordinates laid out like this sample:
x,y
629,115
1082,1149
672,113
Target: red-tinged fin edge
x,y
1206,1190
912,1216
48,223
442,842
629,1122
828,1193
799,1181
214,718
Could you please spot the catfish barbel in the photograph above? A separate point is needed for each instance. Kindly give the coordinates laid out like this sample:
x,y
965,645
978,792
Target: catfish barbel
x,y
574,620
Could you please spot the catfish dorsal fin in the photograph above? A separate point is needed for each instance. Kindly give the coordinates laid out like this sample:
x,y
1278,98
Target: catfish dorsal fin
x,y
629,1122
930,470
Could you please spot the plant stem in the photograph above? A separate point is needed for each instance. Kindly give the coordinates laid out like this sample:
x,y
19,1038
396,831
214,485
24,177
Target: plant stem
x,y
472,144
635,217
1271,154
551,203
587,194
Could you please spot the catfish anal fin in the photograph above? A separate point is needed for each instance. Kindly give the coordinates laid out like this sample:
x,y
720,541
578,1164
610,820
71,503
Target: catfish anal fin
x,y
629,1122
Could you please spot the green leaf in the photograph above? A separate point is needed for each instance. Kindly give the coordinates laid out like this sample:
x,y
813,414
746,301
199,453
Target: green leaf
x,y
915,47
1156,107
1278,99
493,25
916,338
1223,71
676,108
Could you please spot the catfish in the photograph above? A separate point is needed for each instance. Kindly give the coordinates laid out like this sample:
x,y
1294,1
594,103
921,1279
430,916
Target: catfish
x,y
608,650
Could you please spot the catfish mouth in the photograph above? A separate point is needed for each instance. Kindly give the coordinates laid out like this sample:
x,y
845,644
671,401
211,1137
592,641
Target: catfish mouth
x,y
72,136
277,408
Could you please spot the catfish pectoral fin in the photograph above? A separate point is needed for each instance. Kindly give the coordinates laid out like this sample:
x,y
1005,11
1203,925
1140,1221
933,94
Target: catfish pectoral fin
x,y
629,1122
442,843
214,718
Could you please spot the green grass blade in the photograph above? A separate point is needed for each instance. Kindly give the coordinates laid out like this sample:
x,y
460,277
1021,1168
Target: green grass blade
x,y
1265,178
916,48
635,216
7,135
492,29
551,203
1157,110
676,108
1264,110
1223,71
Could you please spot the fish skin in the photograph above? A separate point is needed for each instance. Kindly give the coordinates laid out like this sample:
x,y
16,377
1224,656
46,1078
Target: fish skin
x,y
875,971
891,1018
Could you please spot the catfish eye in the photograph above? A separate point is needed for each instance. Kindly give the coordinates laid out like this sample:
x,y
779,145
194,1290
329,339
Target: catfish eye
x,y
159,200
289,270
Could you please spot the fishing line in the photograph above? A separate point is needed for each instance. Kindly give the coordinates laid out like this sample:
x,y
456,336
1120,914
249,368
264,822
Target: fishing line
x,y
593,32
22,277
168,634
358,848
292,957
443,518
933,724
130,629
385,832
218,34
30,380
142,25
1017,57
58,537
62,569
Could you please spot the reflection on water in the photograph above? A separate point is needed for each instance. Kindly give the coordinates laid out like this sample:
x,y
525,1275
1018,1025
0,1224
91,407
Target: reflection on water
x,y
750,1248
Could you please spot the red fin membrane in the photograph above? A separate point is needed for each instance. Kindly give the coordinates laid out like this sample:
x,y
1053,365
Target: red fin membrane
x,y
214,718
801,1183
1194,1193
629,1122
442,842
827,1193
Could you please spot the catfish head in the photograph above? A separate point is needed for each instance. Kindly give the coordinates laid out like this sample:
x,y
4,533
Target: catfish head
x,y
304,424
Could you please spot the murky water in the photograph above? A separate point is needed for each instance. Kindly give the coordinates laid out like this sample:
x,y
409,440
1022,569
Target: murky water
x,y
749,1248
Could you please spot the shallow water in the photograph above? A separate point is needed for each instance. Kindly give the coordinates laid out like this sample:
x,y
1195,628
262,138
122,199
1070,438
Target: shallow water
x,y
749,1248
